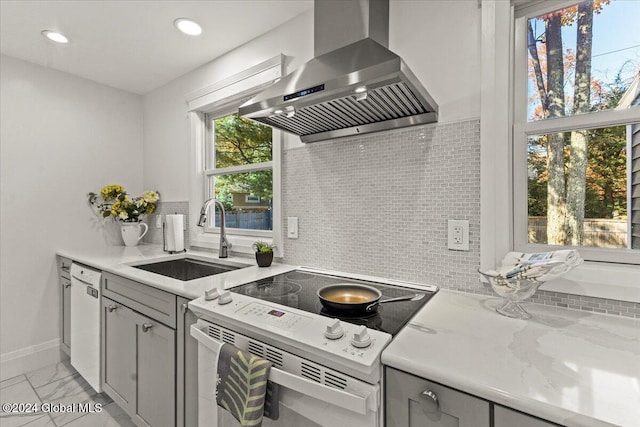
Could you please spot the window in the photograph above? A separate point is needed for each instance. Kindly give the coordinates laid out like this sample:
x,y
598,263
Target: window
x,y
577,129
239,173
236,161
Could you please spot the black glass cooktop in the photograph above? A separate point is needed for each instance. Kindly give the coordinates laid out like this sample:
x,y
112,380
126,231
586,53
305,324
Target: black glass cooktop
x,y
298,289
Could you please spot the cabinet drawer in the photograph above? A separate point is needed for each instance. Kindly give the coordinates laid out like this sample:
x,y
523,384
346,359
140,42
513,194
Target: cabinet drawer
x,y
158,305
64,265
412,401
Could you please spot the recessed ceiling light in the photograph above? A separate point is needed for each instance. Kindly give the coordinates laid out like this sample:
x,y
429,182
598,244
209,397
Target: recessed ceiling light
x,y
188,26
55,36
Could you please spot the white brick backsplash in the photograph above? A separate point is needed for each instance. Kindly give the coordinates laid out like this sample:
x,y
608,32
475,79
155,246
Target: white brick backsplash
x,y
379,204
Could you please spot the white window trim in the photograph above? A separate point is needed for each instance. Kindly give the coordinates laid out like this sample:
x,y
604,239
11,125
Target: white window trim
x,y
272,165
522,129
596,279
219,97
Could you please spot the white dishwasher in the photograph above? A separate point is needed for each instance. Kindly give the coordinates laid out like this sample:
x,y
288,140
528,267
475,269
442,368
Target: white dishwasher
x,y
85,323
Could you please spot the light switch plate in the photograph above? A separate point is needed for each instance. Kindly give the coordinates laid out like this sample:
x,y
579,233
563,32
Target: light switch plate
x,y
292,227
458,235
159,221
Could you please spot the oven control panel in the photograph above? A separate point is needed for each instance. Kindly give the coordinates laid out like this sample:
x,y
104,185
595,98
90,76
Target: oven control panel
x,y
336,339
273,317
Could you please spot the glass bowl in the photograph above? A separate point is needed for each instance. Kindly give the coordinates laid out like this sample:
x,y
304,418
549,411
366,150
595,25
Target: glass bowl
x,y
513,291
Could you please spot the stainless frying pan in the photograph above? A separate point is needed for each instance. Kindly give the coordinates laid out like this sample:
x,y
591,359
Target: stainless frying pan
x,y
354,298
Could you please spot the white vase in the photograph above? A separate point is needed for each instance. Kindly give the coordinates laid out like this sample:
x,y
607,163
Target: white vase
x,y
132,233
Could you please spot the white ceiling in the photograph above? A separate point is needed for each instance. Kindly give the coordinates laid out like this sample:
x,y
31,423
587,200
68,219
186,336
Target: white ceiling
x,y
132,44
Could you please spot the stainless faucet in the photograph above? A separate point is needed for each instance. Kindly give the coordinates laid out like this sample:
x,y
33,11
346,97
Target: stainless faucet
x,y
224,243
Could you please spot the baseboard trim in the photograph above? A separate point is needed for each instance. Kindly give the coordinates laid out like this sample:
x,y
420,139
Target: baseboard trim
x,y
29,359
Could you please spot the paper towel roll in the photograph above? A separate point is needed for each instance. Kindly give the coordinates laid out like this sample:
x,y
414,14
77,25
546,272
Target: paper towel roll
x,y
175,234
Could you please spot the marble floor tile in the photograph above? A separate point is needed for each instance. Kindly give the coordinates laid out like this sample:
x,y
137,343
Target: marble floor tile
x,y
58,384
66,391
26,421
111,416
45,421
19,392
11,381
51,373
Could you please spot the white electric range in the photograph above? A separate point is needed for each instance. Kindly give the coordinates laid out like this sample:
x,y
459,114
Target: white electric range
x,y
327,364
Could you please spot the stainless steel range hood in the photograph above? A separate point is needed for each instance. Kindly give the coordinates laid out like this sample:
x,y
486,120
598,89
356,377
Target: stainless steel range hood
x,y
350,87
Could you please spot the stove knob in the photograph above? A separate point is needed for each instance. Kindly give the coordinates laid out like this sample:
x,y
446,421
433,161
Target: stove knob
x,y
334,330
224,298
211,294
361,337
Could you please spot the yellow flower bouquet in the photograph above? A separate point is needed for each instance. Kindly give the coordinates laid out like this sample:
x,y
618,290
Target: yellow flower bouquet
x,y
114,201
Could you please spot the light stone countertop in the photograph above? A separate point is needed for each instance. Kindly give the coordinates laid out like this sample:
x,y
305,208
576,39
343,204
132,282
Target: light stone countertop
x,y
121,259
571,367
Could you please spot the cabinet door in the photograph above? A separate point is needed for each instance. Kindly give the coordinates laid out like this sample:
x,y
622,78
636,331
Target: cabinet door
x,y
119,353
66,314
156,369
415,402
186,367
505,417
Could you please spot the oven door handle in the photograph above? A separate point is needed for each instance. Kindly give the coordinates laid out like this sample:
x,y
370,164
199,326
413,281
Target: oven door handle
x,y
334,396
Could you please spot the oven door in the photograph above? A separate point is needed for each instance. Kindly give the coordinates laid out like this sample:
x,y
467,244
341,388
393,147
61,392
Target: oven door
x,y
302,401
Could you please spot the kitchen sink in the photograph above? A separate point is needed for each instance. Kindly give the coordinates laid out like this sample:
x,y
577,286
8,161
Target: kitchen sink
x,y
186,269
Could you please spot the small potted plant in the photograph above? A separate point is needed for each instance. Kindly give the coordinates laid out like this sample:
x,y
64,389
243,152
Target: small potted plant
x,y
264,253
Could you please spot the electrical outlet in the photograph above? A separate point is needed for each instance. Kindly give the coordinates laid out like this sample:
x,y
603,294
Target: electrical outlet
x,y
458,235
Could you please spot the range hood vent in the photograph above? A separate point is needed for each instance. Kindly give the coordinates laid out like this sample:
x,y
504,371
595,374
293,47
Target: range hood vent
x,y
356,88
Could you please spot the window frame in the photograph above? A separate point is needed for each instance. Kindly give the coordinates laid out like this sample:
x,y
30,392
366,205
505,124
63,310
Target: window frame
x,y
522,129
211,171
226,94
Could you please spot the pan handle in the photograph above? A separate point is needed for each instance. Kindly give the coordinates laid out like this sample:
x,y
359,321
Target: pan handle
x,y
413,297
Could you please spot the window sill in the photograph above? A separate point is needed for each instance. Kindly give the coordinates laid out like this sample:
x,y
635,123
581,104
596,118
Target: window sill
x,y
601,280
239,244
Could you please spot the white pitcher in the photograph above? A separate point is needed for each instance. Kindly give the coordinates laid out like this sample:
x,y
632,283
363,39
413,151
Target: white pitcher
x,y
131,232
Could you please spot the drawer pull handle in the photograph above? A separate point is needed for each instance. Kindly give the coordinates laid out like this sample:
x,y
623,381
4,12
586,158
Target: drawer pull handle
x,y
185,307
67,285
111,308
431,401
146,327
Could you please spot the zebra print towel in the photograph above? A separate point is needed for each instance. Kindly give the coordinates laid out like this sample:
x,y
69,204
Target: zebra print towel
x,y
242,386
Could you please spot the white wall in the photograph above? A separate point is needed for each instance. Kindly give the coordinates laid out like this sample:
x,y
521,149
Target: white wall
x,y
61,137
439,40
166,129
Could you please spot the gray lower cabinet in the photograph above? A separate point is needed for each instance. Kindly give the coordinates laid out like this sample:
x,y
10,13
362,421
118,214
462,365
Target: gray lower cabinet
x,y
156,378
139,364
187,368
415,402
119,325
66,314
505,417
64,279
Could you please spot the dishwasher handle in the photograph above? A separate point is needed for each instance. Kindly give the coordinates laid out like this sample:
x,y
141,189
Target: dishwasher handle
x,y
85,274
